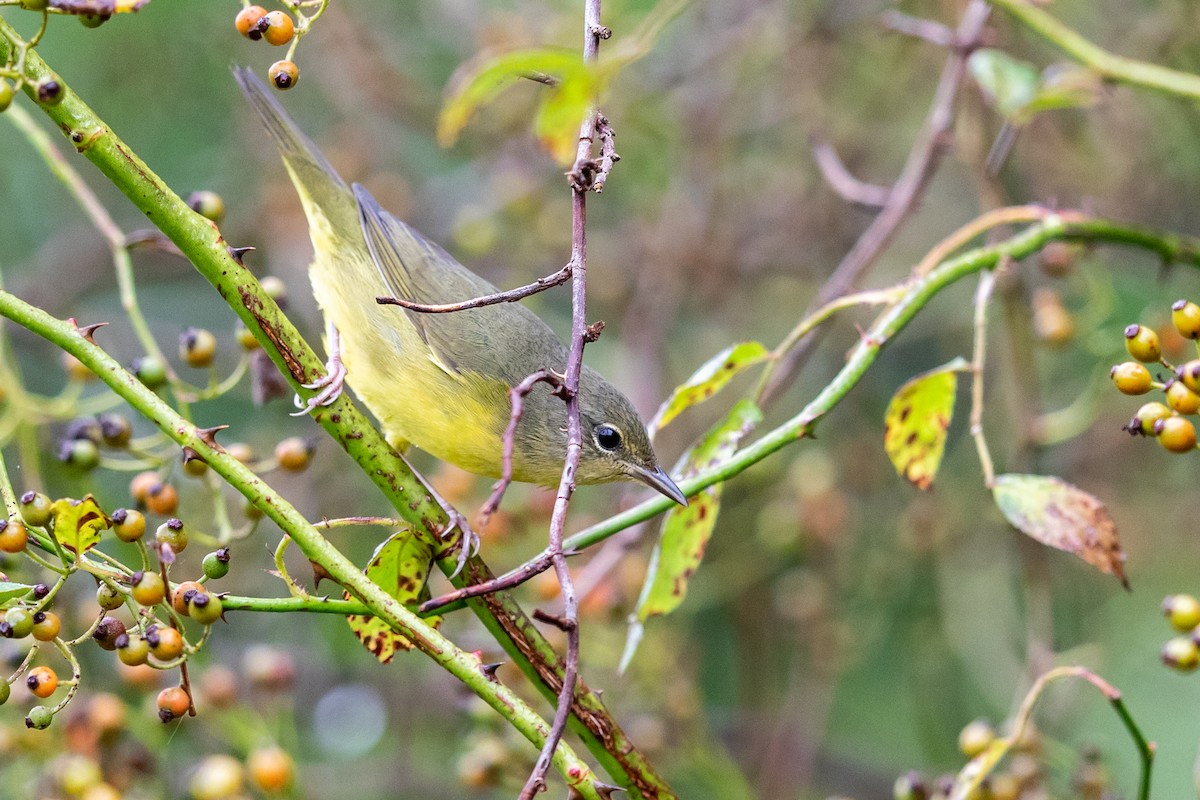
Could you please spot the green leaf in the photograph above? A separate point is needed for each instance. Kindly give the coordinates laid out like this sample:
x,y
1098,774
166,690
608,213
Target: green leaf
x,y
481,81
711,378
686,531
1060,515
400,566
1010,85
1064,86
916,422
561,113
11,591
78,523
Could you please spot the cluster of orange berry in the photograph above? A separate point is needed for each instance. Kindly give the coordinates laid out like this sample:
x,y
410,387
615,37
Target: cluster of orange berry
x,y
272,27
1165,421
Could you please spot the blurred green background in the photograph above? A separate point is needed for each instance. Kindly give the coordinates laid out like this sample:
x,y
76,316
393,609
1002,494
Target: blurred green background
x,y
844,627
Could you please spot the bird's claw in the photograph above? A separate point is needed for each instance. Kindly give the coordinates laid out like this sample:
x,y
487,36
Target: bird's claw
x,y
468,542
330,384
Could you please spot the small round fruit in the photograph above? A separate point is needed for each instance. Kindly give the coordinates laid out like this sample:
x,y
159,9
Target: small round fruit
x,y
240,451
5,692
1182,399
80,453
197,347
42,681
115,430
107,632
216,564
6,95
150,371
142,483
279,29
34,5
46,626
283,74
39,718
17,623
92,20
133,650
275,289
205,608
1176,434
148,588
910,786
246,339
1131,378
1182,610
40,591
162,499
166,644
76,773
173,534
293,454
1181,653
217,777
1189,374
1185,316
173,702
247,21
128,524
49,91
35,508
271,769
109,598
976,737
13,535
183,593
193,463
1142,343
207,204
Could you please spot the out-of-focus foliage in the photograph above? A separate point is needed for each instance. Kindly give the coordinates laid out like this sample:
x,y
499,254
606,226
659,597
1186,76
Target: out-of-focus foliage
x,y
844,626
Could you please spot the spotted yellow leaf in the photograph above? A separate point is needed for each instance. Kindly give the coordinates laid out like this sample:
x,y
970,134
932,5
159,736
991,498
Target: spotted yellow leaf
x,y
916,422
78,524
400,566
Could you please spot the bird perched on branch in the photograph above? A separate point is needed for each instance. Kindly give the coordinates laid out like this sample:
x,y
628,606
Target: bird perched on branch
x,y
441,381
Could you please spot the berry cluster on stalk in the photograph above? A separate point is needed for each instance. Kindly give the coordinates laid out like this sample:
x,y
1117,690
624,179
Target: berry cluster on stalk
x,y
1166,420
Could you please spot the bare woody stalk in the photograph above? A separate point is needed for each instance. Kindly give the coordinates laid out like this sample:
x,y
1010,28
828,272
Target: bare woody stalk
x,y
212,257
593,31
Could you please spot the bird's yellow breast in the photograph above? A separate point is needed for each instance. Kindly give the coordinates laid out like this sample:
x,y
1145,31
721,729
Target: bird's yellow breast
x,y
458,418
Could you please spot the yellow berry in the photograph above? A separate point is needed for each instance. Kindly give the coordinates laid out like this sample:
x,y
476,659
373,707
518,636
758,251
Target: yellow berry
x,y
1142,343
271,769
197,347
293,454
976,737
1182,610
1180,653
1185,315
42,681
166,644
1131,378
13,535
1147,416
1189,373
46,626
1182,399
1176,434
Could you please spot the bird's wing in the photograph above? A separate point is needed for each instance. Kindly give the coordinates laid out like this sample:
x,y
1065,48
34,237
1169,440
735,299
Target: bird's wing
x,y
505,341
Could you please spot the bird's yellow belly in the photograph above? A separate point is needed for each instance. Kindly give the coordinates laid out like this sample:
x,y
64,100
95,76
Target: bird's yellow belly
x,y
453,417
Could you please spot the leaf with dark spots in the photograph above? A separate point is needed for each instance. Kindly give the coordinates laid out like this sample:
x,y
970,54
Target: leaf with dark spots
x,y
1060,515
711,378
686,531
916,422
78,524
400,566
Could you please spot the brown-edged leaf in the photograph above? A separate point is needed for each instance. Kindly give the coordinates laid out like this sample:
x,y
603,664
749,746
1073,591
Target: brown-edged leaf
x,y
686,531
916,422
1061,515
400,566
78,523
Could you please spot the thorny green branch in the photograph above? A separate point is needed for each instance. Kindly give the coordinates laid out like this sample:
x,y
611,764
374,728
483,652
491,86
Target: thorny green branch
x,y
203,245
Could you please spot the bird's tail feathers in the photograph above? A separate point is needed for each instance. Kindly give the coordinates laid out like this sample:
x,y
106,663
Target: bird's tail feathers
x,y
299,153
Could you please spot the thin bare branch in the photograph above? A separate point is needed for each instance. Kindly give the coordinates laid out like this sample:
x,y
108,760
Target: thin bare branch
x,y
509,296
841,180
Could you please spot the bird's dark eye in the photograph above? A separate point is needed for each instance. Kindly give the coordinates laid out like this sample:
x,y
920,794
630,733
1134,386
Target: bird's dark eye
x,y
607,437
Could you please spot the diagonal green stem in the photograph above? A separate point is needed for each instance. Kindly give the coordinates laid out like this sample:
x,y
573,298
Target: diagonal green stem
x,y
1111,66
207,250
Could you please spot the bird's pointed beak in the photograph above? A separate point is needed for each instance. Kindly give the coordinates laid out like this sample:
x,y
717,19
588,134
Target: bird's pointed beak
x,y
660,481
